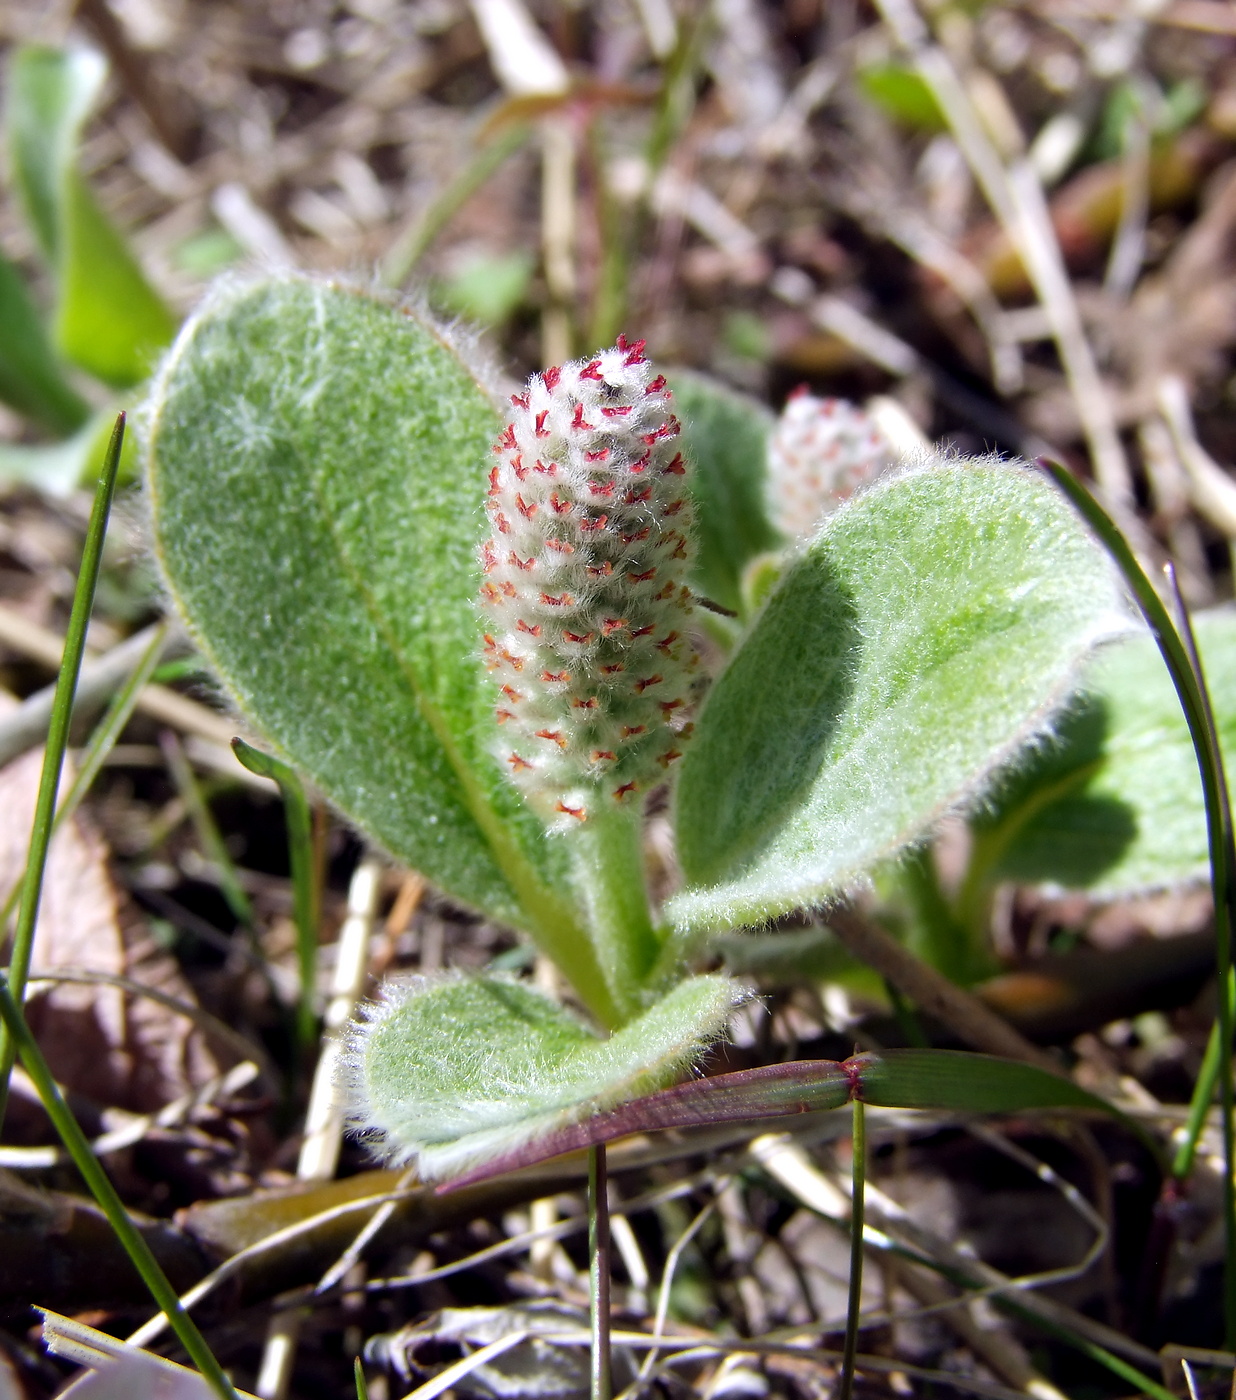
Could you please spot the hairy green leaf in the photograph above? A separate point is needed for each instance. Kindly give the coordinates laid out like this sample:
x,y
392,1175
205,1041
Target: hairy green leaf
x,y
725,435
929,629
453,1071
317,462
108,318
31,378
1113,803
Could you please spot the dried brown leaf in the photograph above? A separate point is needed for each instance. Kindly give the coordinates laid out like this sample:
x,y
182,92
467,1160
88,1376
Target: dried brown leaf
x,y
117,1049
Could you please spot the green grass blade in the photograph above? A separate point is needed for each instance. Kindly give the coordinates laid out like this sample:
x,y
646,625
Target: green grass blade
x,y
208,833
31,378
1203,1094
1107,1359
362,1387
78,1147
57,740
1190,687
960,1081
1212,1064
305,895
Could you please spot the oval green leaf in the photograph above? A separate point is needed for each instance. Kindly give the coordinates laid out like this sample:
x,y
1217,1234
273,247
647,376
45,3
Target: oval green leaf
x,y
927,632
1113,805
452,1072
317,463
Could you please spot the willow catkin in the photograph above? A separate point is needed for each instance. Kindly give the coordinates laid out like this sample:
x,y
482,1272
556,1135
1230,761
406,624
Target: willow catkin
x,y
820,452
584,590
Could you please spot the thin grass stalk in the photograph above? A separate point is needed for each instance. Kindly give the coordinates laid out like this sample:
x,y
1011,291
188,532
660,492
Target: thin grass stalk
x,y
57,742
609,305
845,1387
1212,1063
412,245
305,891
1190,687
601,1374
78,1147
208,833
362,1386
1012,1302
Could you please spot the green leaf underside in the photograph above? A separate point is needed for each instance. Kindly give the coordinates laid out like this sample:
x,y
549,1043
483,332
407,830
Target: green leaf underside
x,y
725,436
108,318
1114,804
317,465
453,1072
950,1081
928,630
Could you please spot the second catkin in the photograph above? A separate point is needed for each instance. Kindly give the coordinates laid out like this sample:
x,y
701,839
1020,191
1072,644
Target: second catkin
x,y
584,584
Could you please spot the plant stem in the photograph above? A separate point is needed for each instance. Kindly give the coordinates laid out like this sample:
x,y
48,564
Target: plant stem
x,y
1190,687
601,1373
78,1147
57,741
213,846
305,894
609,862
845,1386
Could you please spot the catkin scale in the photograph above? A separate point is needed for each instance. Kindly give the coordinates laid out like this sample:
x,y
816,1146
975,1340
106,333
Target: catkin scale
x,y
584,584
820,452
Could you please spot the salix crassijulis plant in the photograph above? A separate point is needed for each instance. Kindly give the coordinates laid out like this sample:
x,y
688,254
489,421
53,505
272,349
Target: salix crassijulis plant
x,y
334,486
